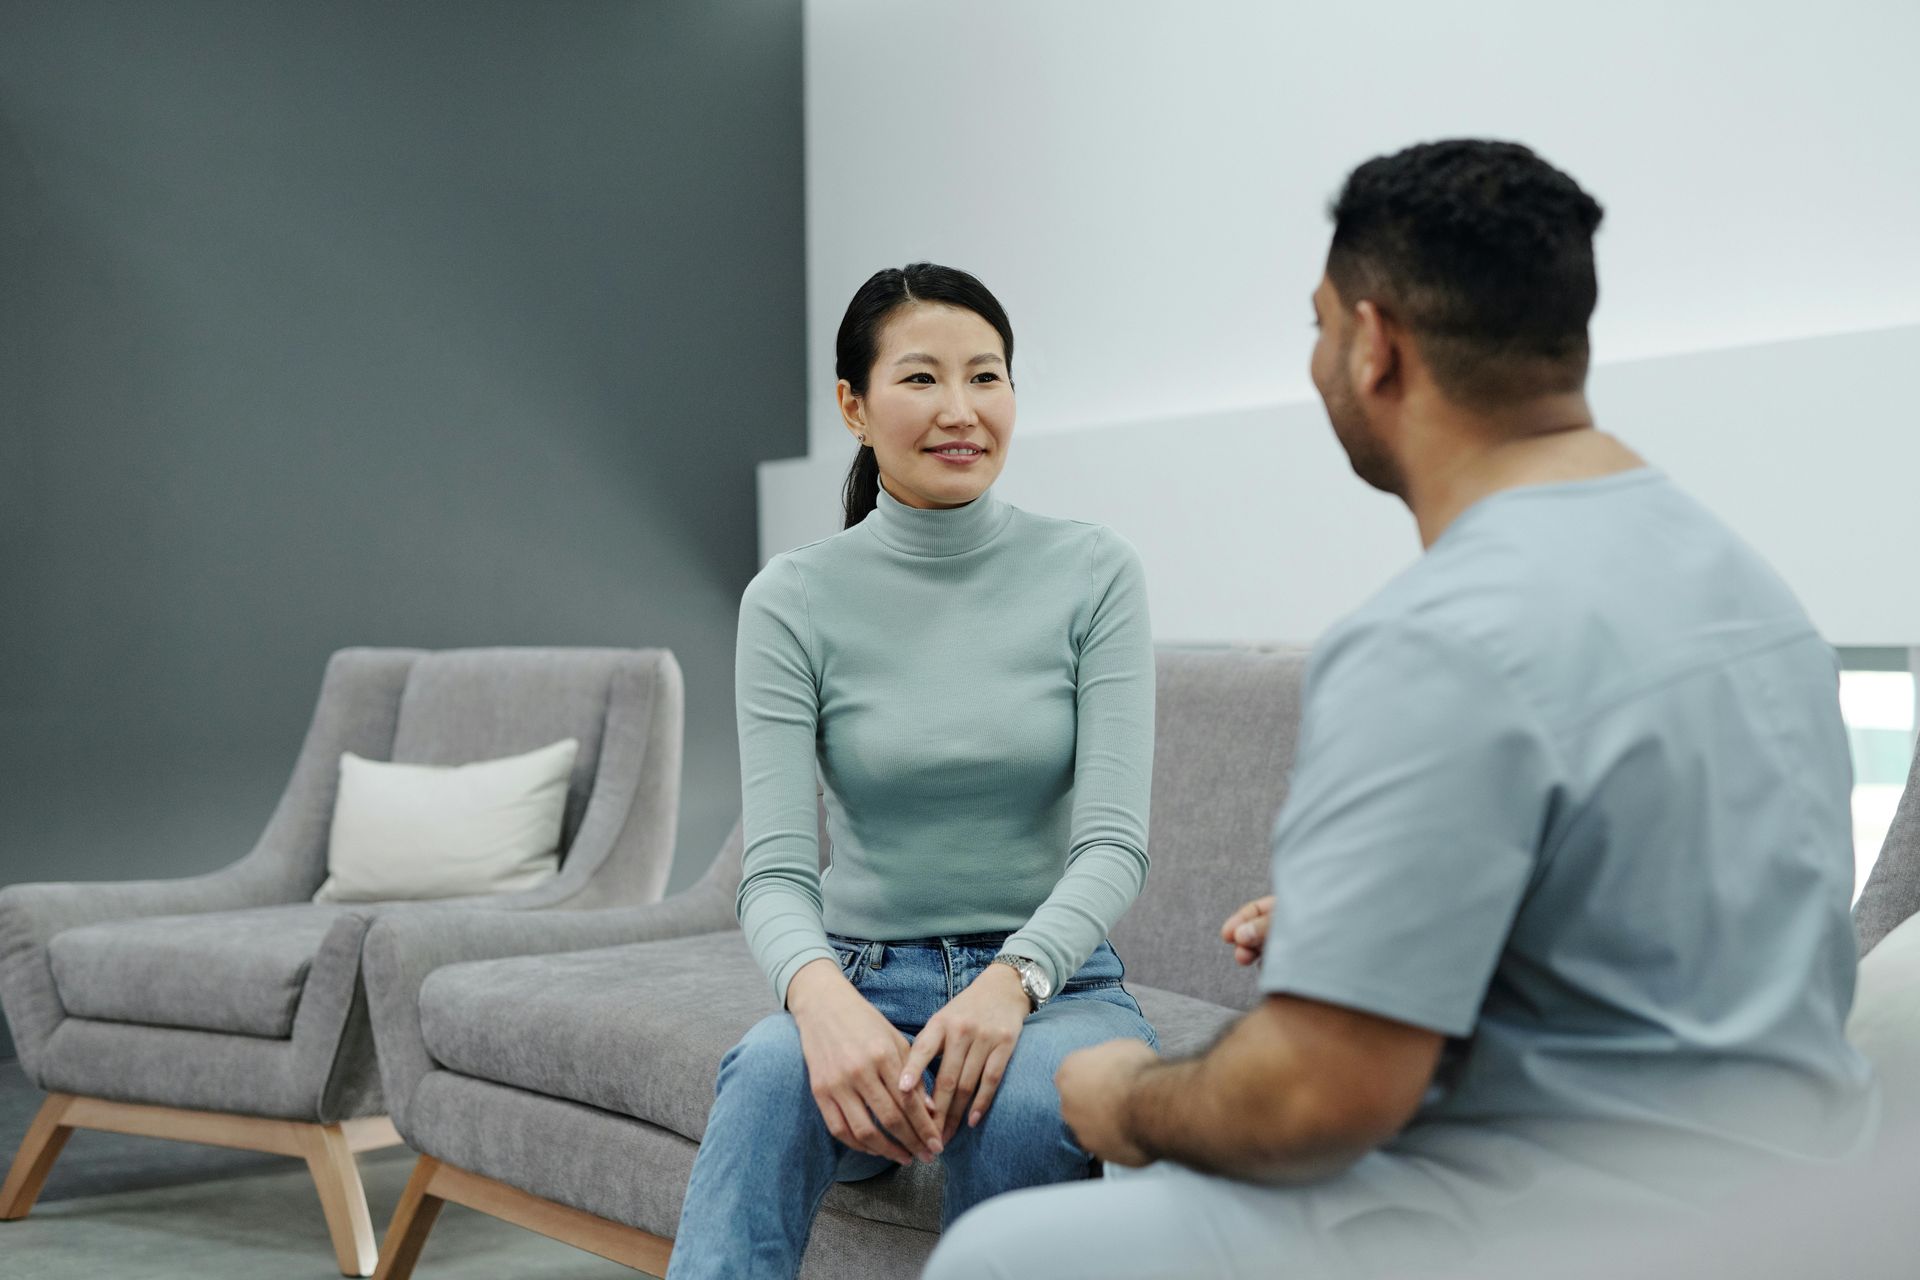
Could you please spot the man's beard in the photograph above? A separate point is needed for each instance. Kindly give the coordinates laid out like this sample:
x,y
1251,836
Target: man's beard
x,y
1365,453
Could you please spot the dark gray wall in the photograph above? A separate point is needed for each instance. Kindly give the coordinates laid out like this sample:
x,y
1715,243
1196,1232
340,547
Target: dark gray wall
x,y
363,323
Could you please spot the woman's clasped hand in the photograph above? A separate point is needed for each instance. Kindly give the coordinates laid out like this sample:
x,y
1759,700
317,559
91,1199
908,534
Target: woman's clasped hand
x,y
869,1081
854,1056
973,1035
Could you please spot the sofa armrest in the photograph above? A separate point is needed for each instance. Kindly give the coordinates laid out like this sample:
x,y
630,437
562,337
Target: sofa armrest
x,y
31,914
402,948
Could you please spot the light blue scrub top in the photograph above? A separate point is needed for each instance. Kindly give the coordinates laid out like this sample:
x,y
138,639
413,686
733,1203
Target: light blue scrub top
x,y
1573,790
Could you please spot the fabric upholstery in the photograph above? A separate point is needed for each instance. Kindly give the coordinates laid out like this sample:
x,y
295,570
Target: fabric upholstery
x,y
1226,725
326,1069
636,1173
403,948
323,1072
466,705
617,846
240,972
1185,1025
640,1030
1892,892
358,697
175,1067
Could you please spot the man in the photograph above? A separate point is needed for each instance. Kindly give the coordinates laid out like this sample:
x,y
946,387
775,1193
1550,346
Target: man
x,y
1559,926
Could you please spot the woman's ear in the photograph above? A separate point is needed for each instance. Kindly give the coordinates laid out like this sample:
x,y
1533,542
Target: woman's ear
x,y
853,410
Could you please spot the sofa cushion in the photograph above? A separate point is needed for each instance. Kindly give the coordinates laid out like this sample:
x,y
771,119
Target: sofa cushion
x,y
239,972
637,1029
1185,1025
641,1029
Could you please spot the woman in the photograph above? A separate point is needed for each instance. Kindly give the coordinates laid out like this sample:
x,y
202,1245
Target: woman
x,y
975,687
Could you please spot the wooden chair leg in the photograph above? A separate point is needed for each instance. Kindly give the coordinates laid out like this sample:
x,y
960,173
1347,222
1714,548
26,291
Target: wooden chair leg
x,y
413,1218
342,1199
38,1150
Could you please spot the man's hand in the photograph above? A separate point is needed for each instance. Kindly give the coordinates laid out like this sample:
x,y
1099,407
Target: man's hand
x,y
1095,1085
853,1055
1246,930
973,1035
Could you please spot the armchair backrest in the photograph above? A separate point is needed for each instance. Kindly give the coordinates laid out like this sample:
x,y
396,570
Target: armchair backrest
x,y
625,706
463,705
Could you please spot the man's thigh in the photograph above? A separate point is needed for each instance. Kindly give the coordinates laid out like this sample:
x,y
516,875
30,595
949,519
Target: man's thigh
x,y
1164,1222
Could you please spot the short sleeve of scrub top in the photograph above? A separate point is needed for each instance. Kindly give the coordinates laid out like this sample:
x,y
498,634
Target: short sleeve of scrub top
x,y
1409,834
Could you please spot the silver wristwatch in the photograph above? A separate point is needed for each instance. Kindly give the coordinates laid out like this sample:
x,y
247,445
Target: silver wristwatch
x,y
1033,979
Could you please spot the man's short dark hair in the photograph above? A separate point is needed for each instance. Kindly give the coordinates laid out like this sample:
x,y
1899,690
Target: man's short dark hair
x,y
1485,252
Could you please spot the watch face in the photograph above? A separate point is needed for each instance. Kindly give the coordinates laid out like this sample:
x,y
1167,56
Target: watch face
x,y
1038,980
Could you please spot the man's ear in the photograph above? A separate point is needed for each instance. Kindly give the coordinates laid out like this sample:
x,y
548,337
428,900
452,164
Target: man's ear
x,y
1376,350
853,410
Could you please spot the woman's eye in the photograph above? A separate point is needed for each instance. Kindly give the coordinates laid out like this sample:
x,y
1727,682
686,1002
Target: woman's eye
x,y
986,377
924,379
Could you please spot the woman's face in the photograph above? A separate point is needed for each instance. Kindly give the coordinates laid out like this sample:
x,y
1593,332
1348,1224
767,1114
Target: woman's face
x,y
939,407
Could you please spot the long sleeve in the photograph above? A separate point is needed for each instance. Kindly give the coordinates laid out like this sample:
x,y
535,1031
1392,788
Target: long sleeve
x,y
777,702
1113,770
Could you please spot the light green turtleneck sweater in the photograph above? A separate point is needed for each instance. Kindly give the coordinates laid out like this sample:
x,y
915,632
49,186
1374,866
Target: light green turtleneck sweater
x,y
975,687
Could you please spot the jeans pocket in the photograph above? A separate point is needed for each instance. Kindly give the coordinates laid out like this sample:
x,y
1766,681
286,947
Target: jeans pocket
x,y
849,956
1101,971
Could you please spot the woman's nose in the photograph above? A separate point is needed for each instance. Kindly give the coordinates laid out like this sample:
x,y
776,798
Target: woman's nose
x,y
956,410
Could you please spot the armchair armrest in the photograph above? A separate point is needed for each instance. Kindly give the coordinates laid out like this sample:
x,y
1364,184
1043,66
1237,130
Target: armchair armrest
x,y
402,948
31,914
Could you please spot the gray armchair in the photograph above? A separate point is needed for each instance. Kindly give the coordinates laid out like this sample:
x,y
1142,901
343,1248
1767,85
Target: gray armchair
x,y
555,1071
229,1008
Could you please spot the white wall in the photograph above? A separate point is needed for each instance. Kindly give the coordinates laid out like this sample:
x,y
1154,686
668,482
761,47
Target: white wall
x,y
1144,185
1253,528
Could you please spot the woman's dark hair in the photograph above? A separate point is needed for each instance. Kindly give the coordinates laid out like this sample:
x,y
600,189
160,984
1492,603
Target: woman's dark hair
x,y
1484,251
857,346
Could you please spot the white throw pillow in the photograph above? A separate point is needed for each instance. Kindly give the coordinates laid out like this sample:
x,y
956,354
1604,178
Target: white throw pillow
x,y
433,831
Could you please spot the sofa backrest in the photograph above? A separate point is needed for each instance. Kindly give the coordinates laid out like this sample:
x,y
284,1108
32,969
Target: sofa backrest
x,y
1225,727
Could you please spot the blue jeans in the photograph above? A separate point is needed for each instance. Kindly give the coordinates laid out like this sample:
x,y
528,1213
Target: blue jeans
x,y
767,1159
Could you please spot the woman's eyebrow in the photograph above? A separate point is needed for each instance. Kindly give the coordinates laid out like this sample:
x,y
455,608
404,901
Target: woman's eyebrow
x,y
921,357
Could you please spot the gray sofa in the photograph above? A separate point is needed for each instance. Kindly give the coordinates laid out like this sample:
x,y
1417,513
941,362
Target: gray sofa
x,y
556,1070
229,1008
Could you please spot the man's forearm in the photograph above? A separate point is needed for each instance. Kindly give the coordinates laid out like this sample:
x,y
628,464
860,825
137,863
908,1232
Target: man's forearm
x,y
1241,1110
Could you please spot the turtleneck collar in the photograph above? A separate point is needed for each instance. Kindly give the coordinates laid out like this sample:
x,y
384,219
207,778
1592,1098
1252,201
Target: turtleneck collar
x,y
950,532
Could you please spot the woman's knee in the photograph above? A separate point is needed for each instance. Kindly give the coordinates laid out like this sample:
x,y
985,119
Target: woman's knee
x,y
767,1061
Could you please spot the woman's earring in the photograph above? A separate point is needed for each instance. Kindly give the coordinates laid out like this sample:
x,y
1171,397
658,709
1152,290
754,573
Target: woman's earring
x,y
863,440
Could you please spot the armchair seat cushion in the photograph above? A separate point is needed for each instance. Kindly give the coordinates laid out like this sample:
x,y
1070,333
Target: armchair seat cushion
x,y
640,1029
238,972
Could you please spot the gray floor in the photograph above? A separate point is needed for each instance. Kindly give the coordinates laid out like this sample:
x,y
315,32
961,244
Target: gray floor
x,y
138,1207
